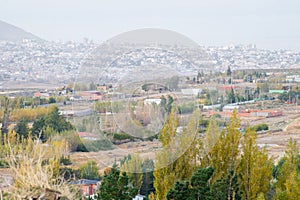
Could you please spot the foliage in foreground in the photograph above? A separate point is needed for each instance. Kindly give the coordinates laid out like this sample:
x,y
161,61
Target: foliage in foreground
x,y
232,166
35,167
222,164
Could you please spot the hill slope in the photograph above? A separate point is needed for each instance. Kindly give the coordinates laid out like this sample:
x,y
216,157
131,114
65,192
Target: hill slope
x,y
10,32
153,36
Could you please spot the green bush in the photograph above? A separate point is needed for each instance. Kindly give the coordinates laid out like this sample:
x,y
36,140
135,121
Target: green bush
x,y
81,148
217,116
3,164
122,136
89,171
52,100
186,108
65,160
203,122
260,127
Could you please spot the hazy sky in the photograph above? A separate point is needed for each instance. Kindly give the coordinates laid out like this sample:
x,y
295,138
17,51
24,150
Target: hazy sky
x,y
271,24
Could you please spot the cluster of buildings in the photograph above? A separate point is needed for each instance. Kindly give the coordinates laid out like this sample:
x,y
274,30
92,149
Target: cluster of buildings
x,y
41,61
59,62
229,108
124,61
293,78
250,57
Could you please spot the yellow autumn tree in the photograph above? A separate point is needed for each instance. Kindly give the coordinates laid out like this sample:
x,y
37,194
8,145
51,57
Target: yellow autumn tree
x,y
212,135
164,174
188,146
255,168
169,129
178,156
224,155
292,186
133,169
288,178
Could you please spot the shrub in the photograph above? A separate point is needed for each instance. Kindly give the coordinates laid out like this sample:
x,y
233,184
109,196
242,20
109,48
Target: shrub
x,y
184,109
65,160
89,171
260,127
122,136
4,164
217,116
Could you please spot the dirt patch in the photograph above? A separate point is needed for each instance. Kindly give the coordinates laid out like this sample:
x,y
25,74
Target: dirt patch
x,y
276,141
107,158
294,127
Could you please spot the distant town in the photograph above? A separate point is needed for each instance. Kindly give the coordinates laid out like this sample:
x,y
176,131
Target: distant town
x,y
30,61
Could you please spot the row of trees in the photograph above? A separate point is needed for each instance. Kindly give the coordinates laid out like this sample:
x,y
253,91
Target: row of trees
x,y
14,111
221,165
224,165
290,96
45,125
32,102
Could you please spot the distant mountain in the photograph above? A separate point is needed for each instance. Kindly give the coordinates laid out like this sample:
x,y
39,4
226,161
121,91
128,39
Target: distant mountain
x,y
10,32
153,36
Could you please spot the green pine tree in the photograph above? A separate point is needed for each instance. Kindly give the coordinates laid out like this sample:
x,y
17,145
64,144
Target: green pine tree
x,y
115,186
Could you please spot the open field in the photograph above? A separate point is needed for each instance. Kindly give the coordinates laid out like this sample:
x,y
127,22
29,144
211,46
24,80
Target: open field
x,y
277,141
282,128
21,85
107,158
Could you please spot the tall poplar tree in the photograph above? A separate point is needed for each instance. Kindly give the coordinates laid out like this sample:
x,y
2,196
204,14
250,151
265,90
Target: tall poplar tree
x,y
288,178
133,169
255,168
224,155
212,135
177,159
164,175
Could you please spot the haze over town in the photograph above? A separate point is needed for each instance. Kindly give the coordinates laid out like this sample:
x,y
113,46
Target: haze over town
x,y
270,24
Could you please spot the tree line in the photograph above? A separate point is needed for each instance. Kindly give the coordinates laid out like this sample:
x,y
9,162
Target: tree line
x,y
220,163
